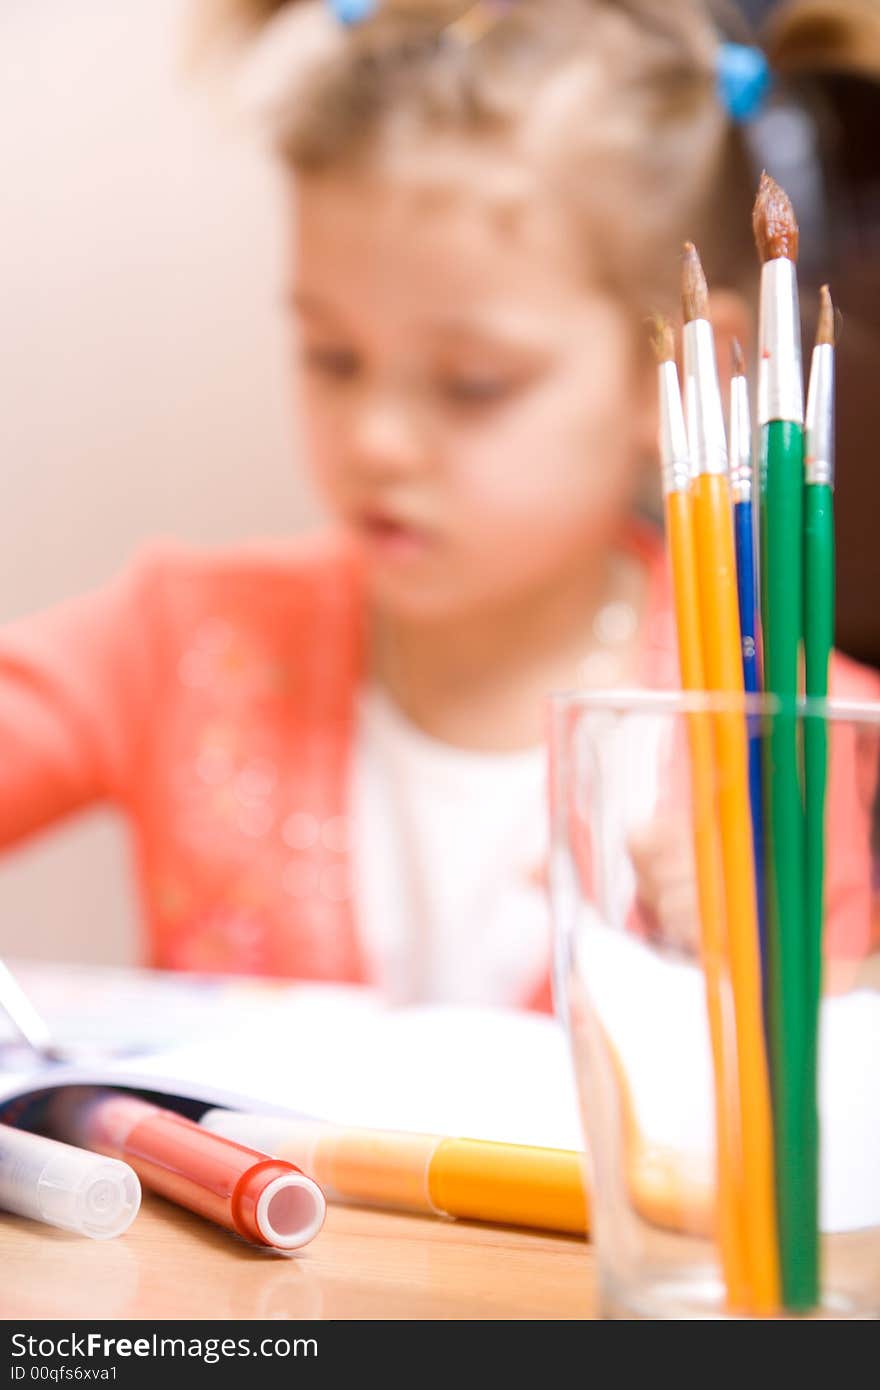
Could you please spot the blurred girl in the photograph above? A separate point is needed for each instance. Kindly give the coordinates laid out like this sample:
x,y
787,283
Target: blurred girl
x,y
330,752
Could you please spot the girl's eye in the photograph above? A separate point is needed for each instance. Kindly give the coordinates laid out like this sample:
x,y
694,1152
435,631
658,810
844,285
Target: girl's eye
x,y
340,364
477,390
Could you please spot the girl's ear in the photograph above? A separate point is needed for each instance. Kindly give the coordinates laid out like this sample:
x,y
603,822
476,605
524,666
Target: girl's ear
x,y
730,319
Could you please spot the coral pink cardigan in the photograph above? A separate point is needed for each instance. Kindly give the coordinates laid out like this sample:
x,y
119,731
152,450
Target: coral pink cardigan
x,y
212,698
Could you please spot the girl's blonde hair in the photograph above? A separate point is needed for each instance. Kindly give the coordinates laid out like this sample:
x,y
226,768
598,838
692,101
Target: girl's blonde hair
x,y
614,103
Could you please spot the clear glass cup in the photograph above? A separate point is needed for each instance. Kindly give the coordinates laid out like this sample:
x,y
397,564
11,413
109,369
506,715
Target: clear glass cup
x,y
631,989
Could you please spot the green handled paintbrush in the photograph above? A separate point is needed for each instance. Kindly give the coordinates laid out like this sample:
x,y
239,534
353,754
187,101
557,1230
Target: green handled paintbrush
x,y
818,616
818,641
780,409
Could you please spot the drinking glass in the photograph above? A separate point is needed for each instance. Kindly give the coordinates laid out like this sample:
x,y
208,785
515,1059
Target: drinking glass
x,y
631,978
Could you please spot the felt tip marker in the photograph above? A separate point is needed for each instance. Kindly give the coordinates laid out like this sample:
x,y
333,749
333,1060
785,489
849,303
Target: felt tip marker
x,y
474,1179
66,1187
266,1200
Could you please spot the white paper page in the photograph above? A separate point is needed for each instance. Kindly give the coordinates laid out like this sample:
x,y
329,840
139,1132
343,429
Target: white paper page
x,y
481,1073
111,1011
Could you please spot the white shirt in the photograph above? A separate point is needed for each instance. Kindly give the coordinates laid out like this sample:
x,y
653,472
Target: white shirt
x,y
446,847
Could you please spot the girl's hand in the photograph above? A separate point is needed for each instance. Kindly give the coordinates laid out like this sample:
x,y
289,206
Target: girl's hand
x,y
666,882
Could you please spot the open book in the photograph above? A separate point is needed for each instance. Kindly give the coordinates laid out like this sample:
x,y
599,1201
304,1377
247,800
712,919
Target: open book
x,y
333,1052
340,1054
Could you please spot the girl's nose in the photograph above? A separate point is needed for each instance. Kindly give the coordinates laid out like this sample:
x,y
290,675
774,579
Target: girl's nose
x,y
388,437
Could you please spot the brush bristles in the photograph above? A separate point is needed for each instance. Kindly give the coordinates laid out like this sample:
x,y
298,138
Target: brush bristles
x,y
774,223
694,292
662,339
825,330
737,361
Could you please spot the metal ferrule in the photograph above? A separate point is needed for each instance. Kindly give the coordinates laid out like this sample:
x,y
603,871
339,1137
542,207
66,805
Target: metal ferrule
x,y
740,441
705,414
780,374
819,435
675,464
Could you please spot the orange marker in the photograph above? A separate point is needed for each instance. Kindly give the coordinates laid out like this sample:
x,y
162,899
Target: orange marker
x,y
474,1179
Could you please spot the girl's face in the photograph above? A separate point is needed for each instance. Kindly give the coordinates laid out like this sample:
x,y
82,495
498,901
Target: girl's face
x,y
475,413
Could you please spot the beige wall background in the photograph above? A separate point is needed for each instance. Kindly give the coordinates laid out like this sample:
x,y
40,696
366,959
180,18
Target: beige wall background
x,y
143,363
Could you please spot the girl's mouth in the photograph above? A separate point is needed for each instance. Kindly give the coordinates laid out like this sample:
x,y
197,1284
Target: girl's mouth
x,y
392,538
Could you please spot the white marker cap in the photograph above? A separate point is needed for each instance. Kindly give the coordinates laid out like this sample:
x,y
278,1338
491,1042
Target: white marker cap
x,y
66,1187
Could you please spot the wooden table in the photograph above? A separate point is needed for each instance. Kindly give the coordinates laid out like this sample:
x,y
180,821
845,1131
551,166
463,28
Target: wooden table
x,y
364,1264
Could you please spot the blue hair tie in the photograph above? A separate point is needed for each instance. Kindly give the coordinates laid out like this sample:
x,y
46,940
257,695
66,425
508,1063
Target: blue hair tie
x,y
744,80
350,12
